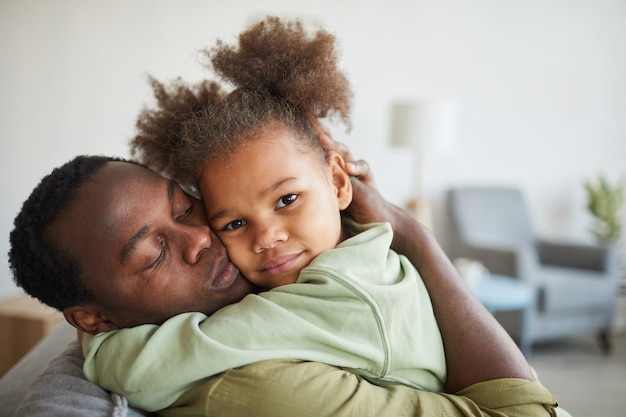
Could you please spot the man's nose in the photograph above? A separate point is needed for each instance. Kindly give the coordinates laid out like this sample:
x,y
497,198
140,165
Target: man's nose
x,y
195,240
267,237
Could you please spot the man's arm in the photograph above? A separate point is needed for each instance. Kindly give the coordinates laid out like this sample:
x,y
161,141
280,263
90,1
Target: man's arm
x,y
477,347
287,388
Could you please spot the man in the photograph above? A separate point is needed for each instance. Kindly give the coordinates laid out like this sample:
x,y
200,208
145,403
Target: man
x,y
112,244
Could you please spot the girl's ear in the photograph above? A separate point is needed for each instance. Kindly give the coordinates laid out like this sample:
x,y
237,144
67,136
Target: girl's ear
x,y
341,180
88,319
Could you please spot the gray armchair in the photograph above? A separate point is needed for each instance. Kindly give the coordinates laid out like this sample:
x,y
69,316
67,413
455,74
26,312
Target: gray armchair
x,y
577,284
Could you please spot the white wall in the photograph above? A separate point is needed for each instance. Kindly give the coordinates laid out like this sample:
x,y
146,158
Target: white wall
x,y
540,87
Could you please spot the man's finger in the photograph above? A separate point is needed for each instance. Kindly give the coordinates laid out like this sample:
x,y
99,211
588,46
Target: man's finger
x,y
361,170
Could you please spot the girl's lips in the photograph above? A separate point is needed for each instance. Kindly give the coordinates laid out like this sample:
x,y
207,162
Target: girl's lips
x,y
226,277
279,264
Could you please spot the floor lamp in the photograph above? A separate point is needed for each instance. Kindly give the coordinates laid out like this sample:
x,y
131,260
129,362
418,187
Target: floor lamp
x,y
421,126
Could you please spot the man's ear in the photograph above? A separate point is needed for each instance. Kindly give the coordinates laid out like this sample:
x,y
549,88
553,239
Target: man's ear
x,y
341,180
88,319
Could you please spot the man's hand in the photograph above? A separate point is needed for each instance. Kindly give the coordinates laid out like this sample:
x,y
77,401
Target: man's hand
x,y
359,169
367,206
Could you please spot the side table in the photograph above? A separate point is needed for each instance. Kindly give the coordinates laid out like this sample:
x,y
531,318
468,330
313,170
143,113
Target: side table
x,y
23,322
501,293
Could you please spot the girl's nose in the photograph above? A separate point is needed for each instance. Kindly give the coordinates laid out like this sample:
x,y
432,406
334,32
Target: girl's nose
x,y
268,237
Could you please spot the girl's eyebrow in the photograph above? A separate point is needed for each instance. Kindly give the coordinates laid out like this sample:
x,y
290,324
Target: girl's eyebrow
x,y
276,185
261,194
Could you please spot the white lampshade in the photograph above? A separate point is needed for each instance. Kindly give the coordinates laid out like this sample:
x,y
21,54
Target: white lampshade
x,y
422,126
427,124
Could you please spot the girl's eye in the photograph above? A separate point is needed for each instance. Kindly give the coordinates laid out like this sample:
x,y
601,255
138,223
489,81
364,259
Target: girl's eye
x,y
286,200
235,225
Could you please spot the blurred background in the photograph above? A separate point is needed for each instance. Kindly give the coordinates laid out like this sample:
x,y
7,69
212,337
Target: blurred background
x,y
530,94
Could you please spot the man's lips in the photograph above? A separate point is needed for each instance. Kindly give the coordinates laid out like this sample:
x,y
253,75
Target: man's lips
x,y
225,278
279,264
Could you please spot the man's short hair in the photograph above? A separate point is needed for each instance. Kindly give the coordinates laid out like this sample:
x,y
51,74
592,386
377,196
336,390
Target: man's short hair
x,y
42,269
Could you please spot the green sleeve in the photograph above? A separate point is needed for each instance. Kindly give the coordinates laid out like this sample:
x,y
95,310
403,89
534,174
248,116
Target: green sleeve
x,y
287,388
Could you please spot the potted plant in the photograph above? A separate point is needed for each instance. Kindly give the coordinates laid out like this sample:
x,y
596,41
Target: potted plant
x,y
604,202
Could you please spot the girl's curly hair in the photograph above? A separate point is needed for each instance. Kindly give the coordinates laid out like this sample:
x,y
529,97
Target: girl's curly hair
x,y
281,58
277,73
159,142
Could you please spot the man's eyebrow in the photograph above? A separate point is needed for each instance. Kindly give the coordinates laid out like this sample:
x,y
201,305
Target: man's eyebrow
x,y
130,246
170,190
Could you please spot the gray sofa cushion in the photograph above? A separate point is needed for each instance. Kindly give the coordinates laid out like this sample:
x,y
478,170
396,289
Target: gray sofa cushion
x,y
39,386
61,390
15,383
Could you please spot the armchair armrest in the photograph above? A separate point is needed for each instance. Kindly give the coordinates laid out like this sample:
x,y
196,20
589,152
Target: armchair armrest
x,y
578,255
513,261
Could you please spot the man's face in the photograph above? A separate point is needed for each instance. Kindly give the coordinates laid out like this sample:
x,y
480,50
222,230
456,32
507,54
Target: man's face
x,y
145,249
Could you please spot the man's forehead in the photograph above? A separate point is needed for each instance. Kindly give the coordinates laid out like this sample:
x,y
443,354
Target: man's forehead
x,y
128,171
123,188
110,206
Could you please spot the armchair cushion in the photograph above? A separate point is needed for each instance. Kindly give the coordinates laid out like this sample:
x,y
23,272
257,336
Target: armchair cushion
x,y
573,289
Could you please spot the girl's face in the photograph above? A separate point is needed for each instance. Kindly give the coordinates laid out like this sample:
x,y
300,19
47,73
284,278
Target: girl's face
x,y
275,205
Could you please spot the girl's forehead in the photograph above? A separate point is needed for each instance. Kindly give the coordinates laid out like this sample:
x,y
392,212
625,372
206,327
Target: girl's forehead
x,y
272,153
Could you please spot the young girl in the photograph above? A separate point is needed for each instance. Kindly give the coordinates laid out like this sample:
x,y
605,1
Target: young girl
x,y
274,195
